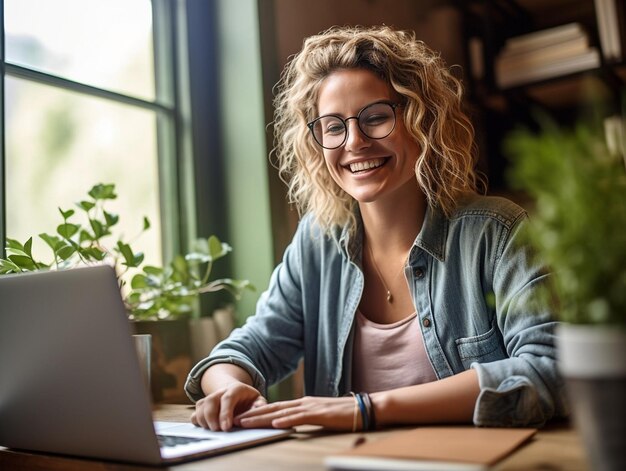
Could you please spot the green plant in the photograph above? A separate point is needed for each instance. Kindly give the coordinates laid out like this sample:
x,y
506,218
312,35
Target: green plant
x,y
172,291
154,292
579,222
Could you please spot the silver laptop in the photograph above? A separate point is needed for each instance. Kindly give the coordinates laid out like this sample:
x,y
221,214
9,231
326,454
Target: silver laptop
x,y
70,381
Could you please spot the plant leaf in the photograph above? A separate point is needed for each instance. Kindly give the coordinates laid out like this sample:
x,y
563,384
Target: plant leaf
x,y
28,247
103,192
14,244
155,271
98,228
126,252
67,214
67,230
24,262
85,236
139,281
217,249
137,259
16,252
66,252
86,205
51,240
111,218
94,253
180,266
7,266
60,244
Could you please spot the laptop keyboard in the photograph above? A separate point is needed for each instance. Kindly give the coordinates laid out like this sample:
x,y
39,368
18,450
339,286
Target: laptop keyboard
x,y
168,440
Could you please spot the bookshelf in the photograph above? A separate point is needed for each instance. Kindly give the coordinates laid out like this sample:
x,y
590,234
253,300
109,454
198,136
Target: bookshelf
x,y
558,56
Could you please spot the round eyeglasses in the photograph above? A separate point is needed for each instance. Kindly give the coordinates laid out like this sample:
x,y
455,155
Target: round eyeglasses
x,y
375,121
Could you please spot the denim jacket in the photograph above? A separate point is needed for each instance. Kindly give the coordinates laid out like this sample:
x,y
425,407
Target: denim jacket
x,y
475,290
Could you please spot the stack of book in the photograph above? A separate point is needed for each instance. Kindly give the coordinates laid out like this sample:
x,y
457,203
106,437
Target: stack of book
x,y
545,54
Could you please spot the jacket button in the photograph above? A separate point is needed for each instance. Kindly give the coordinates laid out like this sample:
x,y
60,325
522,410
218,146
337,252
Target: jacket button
x,y
419,273
426,322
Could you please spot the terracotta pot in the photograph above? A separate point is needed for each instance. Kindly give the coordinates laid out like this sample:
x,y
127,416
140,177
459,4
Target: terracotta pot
x,y
171,358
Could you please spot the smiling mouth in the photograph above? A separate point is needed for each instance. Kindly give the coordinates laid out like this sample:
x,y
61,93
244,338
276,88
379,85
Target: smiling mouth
x,y
359,167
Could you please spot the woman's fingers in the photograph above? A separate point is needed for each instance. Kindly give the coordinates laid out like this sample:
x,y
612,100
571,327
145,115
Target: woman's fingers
x,y
264,409
236,400
207,411
265,417
216,410
293,419
333,413
261,401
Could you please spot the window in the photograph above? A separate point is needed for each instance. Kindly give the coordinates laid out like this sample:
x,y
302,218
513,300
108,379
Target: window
x,y
89,98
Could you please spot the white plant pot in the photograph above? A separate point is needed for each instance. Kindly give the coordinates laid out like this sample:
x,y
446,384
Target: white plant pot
x,y
224,321
207,332
592,359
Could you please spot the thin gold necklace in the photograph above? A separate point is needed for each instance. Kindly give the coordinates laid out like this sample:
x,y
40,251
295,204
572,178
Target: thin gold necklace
x,y
382,280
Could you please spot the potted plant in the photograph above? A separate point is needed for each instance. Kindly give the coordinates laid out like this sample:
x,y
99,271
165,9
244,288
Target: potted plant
x,y
161,301
578,226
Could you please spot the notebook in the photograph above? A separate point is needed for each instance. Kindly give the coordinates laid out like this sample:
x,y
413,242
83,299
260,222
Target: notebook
x,y
70,381
450,448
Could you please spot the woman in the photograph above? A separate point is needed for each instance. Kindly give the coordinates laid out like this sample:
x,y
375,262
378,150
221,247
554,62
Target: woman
x,y
405,292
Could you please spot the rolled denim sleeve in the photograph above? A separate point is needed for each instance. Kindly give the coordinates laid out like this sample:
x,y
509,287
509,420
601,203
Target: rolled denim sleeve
x,y
526,388
270,343
193,388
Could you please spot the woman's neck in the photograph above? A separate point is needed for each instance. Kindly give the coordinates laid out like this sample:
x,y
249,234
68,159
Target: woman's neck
x,y
392,226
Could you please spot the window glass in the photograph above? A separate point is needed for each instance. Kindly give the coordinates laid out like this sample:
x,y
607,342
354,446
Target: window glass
x,y
59,144
104,43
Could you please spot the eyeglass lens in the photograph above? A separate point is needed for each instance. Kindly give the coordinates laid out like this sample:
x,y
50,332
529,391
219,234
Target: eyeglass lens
x,y
376,121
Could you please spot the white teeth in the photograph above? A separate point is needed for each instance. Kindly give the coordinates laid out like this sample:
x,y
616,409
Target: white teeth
x,y
368,164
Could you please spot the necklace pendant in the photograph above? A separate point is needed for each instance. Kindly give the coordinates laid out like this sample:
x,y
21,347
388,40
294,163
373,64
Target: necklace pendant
x,y
389,297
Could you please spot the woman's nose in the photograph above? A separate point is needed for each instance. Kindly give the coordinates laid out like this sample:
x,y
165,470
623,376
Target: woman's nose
x,y
355,139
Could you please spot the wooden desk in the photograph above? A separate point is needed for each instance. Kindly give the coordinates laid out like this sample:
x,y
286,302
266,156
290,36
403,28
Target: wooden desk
x,y
556,447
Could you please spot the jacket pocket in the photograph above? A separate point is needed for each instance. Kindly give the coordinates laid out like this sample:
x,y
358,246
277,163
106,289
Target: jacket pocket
x,y
481,348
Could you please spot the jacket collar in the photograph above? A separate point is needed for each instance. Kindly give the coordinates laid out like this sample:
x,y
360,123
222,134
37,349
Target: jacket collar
x,y
431,238
352,244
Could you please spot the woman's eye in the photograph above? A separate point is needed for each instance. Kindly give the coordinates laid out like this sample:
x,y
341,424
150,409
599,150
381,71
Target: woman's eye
x,y
334,128
375,119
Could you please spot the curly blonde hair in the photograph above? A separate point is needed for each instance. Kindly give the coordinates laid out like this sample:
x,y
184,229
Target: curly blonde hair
x,y
432,108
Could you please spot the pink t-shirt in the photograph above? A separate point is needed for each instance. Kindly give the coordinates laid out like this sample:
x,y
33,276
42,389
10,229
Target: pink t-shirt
x,y
389,356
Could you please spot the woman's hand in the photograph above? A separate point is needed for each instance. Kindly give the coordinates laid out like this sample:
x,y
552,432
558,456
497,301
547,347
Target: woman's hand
x,y
216,411
333,413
